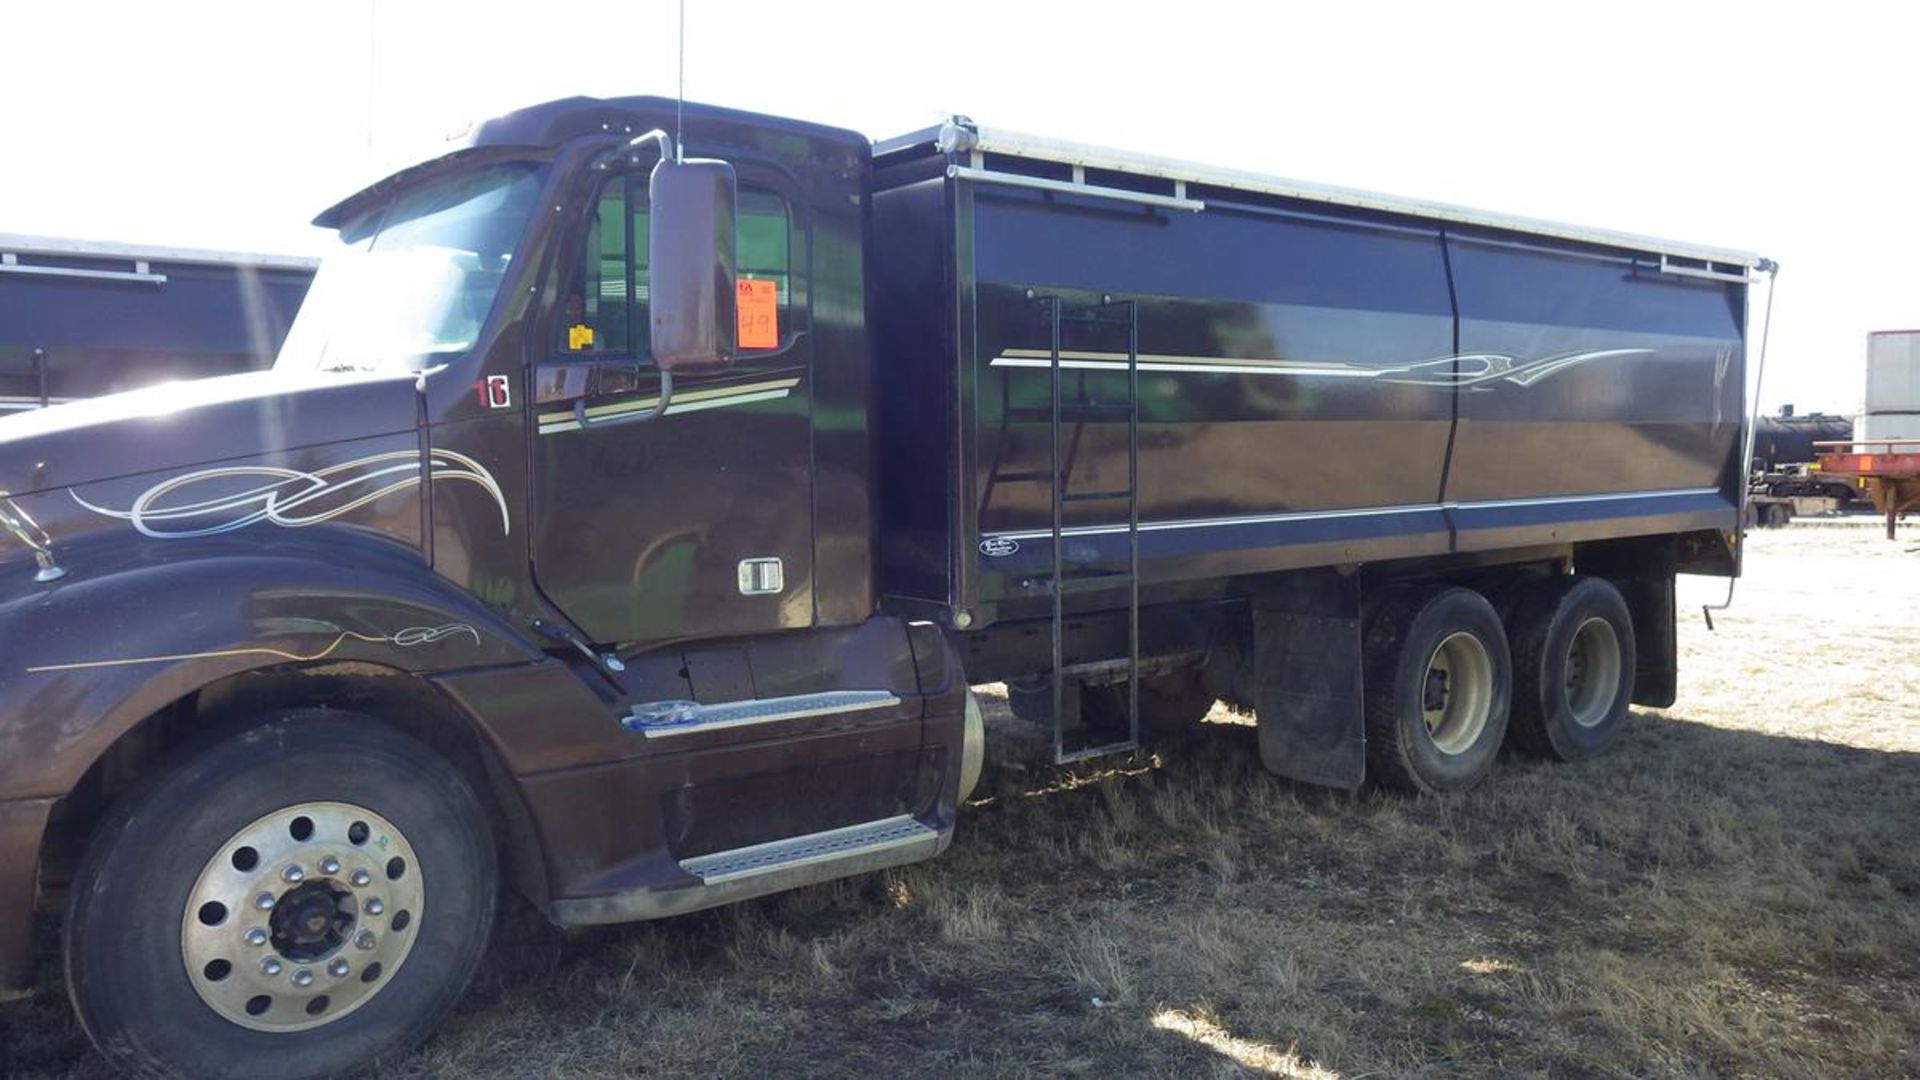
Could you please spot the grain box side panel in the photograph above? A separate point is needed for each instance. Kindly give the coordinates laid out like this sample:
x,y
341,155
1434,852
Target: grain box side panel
x,y
1292,364
1588,374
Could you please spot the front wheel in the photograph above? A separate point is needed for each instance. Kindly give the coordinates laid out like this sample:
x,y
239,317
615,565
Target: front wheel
x,y
299,899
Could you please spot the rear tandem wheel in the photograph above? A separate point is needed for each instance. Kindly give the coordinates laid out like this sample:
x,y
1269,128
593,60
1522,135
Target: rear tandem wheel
x,y
1573,663
1438,682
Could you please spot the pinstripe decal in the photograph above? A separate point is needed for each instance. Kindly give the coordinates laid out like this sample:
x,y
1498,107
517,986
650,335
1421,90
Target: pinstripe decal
x,y
1468,370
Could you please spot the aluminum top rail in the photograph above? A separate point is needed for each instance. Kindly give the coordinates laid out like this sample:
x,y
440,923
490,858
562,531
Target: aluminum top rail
x,y
962,136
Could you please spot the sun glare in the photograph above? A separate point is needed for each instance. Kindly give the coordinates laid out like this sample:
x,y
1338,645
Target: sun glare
x,y
1246,1053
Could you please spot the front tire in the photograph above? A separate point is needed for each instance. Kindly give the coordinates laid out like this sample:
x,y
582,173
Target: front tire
x,y
1438,683
294,901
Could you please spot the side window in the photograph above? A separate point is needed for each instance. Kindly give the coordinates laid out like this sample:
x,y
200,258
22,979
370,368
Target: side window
x,y
761,254
600,305
606,306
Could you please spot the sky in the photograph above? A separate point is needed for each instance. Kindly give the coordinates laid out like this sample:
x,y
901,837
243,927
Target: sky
x,y
1785,130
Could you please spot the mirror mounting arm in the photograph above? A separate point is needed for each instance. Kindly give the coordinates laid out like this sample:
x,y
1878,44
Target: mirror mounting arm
x,y
667,149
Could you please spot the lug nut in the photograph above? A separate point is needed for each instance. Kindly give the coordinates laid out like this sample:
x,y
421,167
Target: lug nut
x,y
374,906
293,874
257,937
270,967
303,978
361,878
329,865
365,941
264,901
338,969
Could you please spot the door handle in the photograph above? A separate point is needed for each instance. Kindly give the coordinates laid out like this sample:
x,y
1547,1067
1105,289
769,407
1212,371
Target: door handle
x,y
581,381
659,407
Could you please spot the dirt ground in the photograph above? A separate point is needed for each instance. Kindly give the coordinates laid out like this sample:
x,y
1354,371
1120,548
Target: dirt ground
x,y
1735,891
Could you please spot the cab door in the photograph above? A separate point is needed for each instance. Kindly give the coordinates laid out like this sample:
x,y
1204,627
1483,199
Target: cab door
x,y
682,535
691,521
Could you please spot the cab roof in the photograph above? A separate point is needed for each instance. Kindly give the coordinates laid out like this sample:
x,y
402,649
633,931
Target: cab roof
x,y
708,128
554,122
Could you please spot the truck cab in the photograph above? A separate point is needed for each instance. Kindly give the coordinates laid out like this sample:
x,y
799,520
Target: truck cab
x,y
621,601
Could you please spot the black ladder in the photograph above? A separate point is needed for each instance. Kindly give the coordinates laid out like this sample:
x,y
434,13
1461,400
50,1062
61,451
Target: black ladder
x,y
1109,320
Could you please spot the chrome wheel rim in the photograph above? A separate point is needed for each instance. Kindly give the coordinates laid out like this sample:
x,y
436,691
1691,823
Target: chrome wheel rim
x,y
1593,671
1457,692
302,917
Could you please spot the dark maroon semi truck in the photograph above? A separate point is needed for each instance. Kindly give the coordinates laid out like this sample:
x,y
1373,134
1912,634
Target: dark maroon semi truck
x,y
627,515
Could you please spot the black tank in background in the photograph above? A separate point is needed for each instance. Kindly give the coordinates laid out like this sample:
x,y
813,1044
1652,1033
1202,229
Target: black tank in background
x,y
79,319
1786,439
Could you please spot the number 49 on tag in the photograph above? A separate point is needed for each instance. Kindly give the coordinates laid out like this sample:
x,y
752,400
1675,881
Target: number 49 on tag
x,y
757,304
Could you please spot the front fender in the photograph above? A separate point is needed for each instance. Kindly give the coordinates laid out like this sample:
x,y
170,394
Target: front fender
x,y
90,656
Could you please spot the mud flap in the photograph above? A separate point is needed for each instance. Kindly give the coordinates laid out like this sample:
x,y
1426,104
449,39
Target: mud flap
x,y
1643,570
1308,690
1651,600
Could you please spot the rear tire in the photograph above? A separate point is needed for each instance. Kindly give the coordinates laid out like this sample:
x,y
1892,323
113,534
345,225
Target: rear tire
x,y
180,960
1438,683
1573,668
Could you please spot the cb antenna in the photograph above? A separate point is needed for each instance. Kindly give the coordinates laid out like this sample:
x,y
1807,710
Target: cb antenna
x,y
680,100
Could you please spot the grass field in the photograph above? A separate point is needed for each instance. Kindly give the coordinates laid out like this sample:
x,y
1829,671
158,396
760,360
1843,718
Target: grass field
x,y
1735,891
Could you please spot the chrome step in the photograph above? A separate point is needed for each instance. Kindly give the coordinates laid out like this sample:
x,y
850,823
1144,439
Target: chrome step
x,y
834,845
661,719
744,873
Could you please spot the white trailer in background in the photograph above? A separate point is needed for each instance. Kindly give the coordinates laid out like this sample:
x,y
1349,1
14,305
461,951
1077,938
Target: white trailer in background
x,y
1884,456
1891,409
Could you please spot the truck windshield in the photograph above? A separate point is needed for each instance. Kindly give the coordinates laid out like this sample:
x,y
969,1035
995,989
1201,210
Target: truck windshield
x,y
414,277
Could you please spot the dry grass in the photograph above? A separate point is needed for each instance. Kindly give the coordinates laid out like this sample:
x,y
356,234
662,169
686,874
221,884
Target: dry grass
x,y
1734,892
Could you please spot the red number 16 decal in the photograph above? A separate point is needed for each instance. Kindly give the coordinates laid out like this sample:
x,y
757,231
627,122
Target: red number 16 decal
x,y
496,392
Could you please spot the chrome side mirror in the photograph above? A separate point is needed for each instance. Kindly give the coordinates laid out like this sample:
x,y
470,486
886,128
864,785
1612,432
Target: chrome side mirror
x,y
690,275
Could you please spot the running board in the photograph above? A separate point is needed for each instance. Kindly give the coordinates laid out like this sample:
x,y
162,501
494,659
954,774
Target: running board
x,y
662,719
743,873
850,842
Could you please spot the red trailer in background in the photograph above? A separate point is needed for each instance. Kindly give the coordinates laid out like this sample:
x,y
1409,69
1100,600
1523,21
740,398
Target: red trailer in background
x,y
1888,468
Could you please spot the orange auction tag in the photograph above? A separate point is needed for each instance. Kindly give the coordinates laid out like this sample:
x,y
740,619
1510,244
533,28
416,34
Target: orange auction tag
x,y
758,305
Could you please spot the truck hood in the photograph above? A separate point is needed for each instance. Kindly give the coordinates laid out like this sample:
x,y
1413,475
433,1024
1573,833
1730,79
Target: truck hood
x,y
189,423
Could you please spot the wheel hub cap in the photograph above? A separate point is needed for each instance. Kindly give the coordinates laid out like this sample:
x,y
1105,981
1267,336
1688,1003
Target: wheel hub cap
x,y
1593,671
302,916
1457,692
312,920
